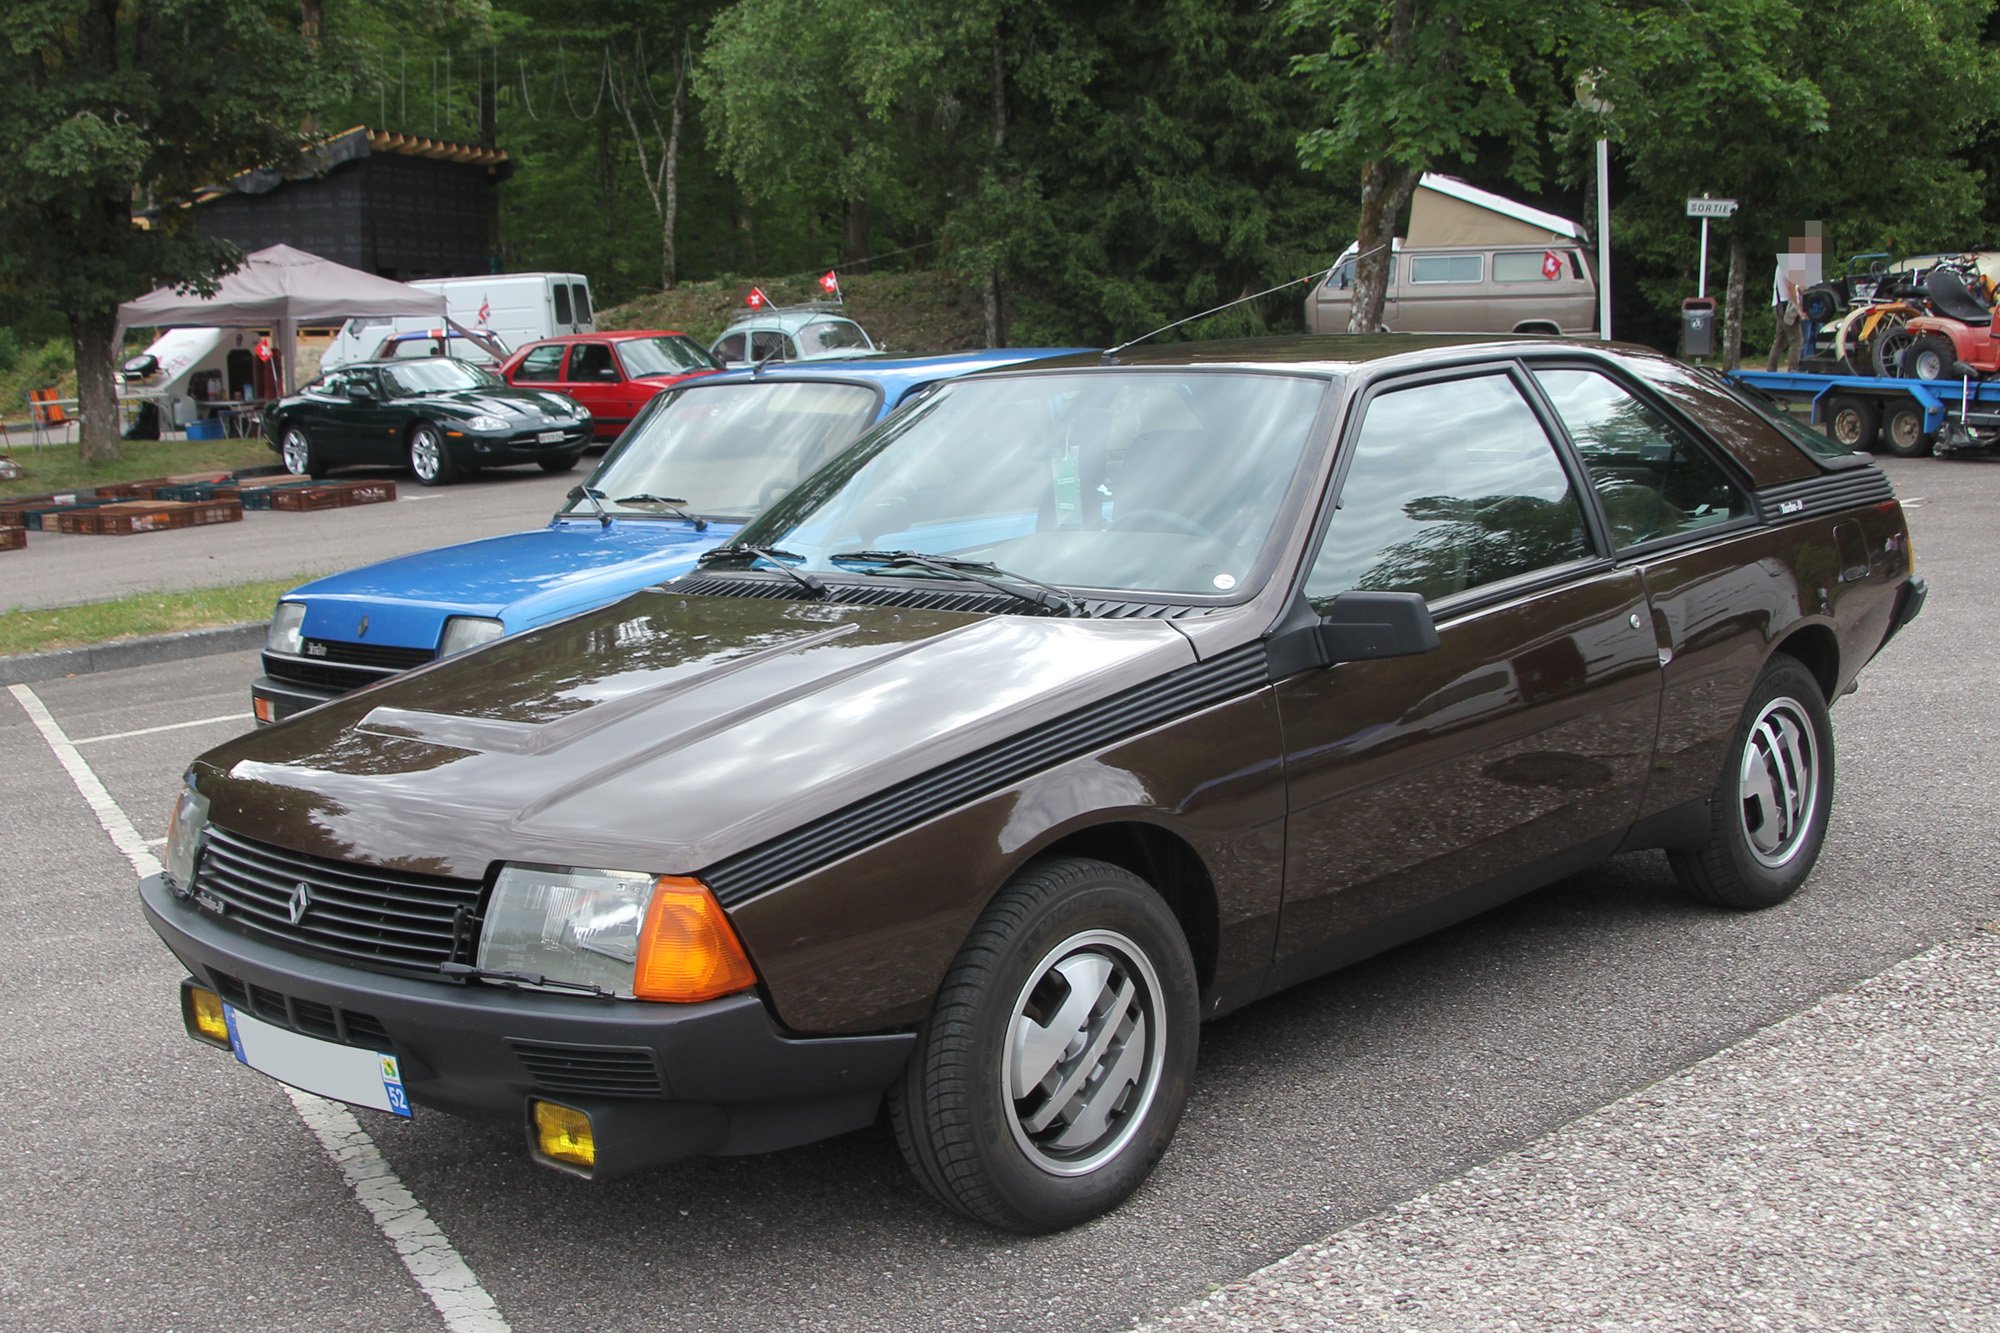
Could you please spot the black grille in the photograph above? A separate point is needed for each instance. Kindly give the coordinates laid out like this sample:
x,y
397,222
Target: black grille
x,y
339,679
888,594
358,913
591,1071
307,1016
368,654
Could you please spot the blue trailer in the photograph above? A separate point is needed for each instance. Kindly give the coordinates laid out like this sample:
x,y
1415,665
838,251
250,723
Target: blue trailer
x,y
1905,417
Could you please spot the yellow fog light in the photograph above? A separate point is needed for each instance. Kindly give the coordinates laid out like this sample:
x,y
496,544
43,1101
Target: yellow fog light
x,y
563,1135
201,1010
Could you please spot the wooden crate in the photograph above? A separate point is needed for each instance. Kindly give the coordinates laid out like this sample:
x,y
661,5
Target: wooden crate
x,y
13,539
133,490
263,496
369,492
205,512
308,499
43,517
125,518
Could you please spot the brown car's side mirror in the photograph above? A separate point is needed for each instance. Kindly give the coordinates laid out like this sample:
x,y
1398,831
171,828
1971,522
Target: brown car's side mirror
x,y
1358,626
1363,625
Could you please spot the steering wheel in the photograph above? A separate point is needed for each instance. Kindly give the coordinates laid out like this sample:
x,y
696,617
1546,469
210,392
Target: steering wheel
x,y
1161,520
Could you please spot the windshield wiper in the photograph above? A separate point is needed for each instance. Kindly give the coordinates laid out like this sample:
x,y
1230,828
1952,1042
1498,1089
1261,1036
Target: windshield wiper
x,y
466,972
773,556
666,502
1036,593
596,502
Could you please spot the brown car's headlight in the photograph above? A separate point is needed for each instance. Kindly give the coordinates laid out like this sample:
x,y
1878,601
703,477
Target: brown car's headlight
x,y
646,937
184,830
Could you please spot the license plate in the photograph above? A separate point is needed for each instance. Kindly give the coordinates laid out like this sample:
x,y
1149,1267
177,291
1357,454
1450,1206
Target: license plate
x,y
345,1073
550,437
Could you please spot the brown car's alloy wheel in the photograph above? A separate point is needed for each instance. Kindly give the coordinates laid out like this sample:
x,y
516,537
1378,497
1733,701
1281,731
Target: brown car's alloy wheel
x,y
1769,812
1055,1067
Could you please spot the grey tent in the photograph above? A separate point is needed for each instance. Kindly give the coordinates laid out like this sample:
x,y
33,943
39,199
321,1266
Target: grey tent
x,y
279,289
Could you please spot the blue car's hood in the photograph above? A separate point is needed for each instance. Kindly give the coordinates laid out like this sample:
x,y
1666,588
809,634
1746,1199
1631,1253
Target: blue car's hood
x,y
525,579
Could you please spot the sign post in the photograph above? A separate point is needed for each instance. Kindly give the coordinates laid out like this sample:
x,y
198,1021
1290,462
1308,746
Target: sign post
x,y
1706,208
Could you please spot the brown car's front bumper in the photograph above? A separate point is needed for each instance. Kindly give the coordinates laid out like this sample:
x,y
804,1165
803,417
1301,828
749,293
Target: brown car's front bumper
x,y
672,1080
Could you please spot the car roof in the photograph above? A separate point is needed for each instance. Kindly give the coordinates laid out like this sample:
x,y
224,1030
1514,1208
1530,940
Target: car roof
x,y
1332,353
896,375
385,362
784,321
613,335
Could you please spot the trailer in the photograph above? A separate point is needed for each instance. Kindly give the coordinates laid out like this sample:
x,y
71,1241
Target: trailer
x,y
1905,417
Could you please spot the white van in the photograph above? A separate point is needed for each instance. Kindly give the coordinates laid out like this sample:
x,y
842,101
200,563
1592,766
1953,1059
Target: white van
x,y
519,308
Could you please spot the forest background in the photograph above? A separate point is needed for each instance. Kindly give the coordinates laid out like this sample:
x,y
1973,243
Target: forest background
x,y
1079,174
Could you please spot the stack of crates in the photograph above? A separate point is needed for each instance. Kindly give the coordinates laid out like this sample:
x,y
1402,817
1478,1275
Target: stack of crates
x,y
123,518
40,512
332,495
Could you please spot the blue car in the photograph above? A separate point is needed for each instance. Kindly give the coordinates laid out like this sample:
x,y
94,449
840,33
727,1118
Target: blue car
x,y
699,462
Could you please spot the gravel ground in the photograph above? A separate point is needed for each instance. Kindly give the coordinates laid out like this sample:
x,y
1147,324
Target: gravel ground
x,y
1834,1171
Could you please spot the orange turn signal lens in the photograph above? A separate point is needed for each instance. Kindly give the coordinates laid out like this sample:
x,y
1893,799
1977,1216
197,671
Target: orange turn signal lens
x,y
688,951
201,1010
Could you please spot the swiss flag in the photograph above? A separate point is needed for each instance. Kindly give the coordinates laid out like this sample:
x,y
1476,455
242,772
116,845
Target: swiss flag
x,y
1552,265
756,300
830,284
263,349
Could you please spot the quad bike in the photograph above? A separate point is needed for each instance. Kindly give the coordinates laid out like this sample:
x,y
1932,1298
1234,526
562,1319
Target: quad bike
x,y
1959,339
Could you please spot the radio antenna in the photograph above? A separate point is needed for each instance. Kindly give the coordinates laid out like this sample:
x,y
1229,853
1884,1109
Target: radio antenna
x,y
1110,358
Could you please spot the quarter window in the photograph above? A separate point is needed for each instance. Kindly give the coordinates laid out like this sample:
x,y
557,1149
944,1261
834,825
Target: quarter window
x,y
1342,276
541,365
1652,480
730,349
1446,268
1523,266
1453,485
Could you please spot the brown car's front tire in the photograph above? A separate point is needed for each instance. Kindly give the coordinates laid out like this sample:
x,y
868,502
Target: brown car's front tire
x,y
1055,1066
1768,817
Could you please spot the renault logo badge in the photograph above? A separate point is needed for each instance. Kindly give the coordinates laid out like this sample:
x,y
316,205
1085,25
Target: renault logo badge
x,y
301,900
362,632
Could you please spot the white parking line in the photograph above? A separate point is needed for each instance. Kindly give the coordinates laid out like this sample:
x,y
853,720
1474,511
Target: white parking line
x,y
123,836
171,726
440,1273
432,1261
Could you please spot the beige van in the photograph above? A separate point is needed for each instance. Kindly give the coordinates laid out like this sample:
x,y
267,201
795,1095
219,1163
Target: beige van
x,y
1473,263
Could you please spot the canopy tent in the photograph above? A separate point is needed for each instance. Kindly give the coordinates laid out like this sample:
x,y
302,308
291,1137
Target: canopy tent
x,y
281,288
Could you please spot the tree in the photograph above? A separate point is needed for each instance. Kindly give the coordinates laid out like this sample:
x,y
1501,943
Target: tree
x,y
114,107
1406,84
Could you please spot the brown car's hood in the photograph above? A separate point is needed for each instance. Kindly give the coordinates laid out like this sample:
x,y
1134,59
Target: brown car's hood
x,y
662,733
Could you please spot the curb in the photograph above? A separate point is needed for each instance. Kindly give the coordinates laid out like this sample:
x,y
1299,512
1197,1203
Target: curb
x,y
27,668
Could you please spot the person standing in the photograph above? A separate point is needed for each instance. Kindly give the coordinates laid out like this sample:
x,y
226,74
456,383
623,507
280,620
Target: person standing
x,y
1798,268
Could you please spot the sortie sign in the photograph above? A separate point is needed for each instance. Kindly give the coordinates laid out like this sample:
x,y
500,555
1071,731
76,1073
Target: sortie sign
x,y
1711,208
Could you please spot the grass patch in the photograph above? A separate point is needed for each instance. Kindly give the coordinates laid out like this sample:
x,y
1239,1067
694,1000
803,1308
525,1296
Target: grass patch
x,y
58,468
142,613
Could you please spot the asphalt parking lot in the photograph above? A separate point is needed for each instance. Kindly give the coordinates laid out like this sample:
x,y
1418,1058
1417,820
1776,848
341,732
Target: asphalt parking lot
x,y
56,569
152,1183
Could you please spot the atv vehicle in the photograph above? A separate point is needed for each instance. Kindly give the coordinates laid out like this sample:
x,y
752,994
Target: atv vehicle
x,y
1960,336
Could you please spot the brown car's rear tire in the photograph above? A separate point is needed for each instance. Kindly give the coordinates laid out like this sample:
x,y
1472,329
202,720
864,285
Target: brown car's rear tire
x,y
1768,817
1077,983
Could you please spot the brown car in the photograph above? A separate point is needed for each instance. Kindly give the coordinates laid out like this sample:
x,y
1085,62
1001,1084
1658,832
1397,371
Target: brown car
x,y
1076,705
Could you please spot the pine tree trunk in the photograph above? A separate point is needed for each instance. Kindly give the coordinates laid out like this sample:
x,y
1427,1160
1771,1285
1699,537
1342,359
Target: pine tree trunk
x,y
670,210
1385,189
1732,315
91,331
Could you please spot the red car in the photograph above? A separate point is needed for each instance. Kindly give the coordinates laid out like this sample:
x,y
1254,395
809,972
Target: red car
x,y
612,374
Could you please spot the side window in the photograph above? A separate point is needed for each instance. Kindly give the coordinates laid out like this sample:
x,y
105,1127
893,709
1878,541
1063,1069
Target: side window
x,y
1453,485
333,384
560,291
1524,266
541,365
762,344
1446,268
1652,480
591,361
1342,276
730,348
580,298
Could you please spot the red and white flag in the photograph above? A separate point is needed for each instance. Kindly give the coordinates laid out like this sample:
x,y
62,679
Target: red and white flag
x,y
756,300
485,311
830,284
1552,265
263,349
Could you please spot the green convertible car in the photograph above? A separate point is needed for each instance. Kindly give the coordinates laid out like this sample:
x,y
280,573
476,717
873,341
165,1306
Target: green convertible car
x,y
441,416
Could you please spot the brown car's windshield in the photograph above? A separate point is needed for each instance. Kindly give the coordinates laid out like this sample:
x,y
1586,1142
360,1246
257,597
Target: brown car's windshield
x,y
728,450
1165,481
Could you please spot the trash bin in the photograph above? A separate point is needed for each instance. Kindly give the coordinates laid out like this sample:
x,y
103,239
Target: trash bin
x,y
1698,326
